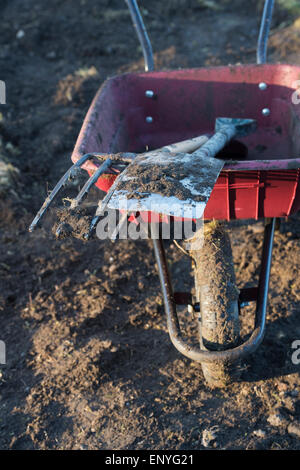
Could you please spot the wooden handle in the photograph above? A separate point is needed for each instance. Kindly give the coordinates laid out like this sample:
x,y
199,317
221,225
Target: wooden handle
x,y
189,145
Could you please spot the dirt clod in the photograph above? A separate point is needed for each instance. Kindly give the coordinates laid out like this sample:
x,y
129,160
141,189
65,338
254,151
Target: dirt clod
x,y
209,437
166,174
72,222
276,419
294,429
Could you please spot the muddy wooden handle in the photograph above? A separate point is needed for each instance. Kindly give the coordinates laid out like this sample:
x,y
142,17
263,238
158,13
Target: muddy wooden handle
x,y
185,146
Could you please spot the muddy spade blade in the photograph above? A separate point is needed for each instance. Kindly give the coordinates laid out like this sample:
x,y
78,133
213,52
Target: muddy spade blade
x,y
176,184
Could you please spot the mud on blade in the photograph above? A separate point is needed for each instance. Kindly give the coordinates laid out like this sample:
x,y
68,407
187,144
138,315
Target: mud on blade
x,y
178,185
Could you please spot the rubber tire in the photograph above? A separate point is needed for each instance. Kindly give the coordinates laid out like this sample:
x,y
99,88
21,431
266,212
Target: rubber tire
x,y
217,294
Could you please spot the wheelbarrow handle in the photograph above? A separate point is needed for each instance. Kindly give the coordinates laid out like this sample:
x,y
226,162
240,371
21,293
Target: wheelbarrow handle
x,y
140,28
262,45
141,31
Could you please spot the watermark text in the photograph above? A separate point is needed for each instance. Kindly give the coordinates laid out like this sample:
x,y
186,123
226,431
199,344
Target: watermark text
x,y
296,353
296,93
2,352
2,92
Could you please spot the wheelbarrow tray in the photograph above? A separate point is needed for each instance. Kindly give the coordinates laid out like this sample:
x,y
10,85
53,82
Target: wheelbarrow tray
x,y
185,104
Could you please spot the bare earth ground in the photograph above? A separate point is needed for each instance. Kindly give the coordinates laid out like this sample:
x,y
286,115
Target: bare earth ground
x,y
89,361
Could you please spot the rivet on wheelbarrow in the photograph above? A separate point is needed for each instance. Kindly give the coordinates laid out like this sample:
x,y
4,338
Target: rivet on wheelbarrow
x,y
262,86
149,119
266,112
149,94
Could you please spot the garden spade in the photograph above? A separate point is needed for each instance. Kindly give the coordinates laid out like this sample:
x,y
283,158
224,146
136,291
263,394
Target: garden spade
x,y
171,182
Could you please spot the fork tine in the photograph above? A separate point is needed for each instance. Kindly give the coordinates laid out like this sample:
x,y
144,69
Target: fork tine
x,y
84,190
56,189
101,208
93,224
89,183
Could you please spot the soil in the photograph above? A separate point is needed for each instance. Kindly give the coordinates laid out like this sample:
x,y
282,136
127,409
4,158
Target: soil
x,y
150,174
74,223
89,361
286,42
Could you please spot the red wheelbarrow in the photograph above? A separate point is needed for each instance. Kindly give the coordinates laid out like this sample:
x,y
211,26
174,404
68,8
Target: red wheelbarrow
x,y
138,111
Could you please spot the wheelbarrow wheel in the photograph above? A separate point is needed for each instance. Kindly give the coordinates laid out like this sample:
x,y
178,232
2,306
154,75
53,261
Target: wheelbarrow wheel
x,y
217,294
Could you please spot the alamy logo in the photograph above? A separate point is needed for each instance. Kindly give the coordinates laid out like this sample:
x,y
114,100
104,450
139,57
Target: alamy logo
x,y
2,352
2,92
296,353
185,229
296,93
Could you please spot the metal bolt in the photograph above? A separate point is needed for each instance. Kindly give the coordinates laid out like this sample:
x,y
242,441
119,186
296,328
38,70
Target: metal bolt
x,y
262,86
266,112
149,119
149,94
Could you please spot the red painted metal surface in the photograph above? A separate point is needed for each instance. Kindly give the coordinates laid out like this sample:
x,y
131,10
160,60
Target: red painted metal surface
x,y
186,104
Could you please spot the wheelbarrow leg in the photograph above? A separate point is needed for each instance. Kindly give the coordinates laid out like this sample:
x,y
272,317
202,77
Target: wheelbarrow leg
x,y
260,295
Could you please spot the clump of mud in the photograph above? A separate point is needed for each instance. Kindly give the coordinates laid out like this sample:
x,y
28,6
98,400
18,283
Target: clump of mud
x,y
166,174
155,179
72,223
8,172
216,266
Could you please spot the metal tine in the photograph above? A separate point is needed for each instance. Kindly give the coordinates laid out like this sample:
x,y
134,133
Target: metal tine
x,y
117,230
89,183
85,189
101,207
98,214
57,188
93,224
125,158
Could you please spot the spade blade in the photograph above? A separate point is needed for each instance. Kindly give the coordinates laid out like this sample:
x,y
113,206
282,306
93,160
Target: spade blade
x,y
178,185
